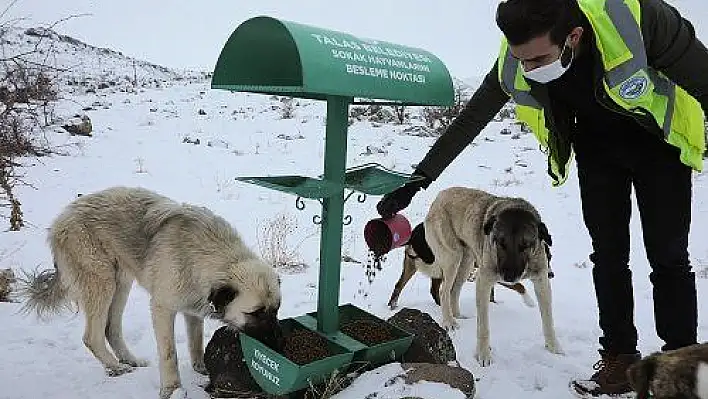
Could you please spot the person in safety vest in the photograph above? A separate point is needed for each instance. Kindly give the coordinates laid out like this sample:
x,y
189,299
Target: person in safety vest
x,y
621,86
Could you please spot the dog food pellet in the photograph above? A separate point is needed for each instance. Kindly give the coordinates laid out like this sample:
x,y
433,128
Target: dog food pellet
x,y
303,346
368,332
373,264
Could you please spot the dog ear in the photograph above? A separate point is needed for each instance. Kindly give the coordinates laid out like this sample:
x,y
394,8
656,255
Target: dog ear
x,y
543,234
221,296
489,224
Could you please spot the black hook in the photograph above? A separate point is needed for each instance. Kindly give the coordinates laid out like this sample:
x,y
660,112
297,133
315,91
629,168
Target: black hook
x,y
299,203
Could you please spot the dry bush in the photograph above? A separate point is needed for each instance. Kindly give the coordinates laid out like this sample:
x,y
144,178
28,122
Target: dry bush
x,y
702,272
377,113
357,113
7,280
274,238
438,119
701,267
336,383
508,112
401,113
26,97
287,107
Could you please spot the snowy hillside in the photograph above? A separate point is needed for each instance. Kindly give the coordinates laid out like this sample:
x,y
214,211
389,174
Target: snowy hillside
x,y
77,66
188,142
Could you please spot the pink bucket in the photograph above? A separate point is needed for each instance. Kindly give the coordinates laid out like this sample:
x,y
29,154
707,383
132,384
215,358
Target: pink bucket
x,y
384,235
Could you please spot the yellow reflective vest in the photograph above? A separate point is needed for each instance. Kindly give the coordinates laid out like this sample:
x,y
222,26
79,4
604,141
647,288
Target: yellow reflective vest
x,y
628,80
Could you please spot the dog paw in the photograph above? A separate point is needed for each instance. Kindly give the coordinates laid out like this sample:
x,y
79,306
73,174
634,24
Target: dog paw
x,y
450,324
120,369
172,392
200,368
484,356
135,362
392,305
554,347
461,316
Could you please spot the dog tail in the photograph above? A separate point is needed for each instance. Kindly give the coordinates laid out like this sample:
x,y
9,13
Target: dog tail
x,y
640,376
44,293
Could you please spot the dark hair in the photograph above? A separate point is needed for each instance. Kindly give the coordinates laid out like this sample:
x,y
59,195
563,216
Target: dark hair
x,y
523,20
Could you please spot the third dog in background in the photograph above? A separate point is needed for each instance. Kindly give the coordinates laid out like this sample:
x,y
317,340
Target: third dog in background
x,y
418,257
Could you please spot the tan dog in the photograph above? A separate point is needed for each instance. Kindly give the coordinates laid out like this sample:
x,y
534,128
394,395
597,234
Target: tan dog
x,y
189,260
503,238
418,257
680,373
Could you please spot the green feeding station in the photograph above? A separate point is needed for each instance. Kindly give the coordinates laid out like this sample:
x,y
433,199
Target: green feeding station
x,y
272,56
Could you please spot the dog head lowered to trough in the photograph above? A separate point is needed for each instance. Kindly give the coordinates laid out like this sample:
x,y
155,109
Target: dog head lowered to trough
x,y
249,301
517,238
680,373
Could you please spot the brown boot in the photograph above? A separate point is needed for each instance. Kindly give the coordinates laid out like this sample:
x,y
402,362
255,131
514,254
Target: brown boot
x,y
609,379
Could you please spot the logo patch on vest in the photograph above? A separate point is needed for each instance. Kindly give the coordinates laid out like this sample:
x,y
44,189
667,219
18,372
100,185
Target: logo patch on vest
x,y
634,88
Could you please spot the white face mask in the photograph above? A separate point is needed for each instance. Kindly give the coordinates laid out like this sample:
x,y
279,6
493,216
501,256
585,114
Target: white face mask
x,y
552,71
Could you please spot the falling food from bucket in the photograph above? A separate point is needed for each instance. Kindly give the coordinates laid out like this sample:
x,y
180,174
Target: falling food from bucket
x,y
382,236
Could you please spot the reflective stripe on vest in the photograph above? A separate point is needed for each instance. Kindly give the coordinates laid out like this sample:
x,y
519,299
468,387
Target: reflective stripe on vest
x,y
628,80
625,21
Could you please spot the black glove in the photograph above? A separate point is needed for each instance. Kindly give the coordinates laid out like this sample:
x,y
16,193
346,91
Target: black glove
x,y
401,197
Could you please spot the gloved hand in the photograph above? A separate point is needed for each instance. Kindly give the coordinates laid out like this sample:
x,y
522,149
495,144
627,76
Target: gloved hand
x,y
401,197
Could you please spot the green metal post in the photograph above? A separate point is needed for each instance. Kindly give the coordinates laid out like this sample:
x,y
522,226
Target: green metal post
x,y
332,212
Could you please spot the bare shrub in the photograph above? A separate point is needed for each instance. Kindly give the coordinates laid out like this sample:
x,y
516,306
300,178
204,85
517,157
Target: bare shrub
x,y
225,186
357,114
287,107
508,112
702,272
401,113
335,383
274,238
374,113
26,97
7,280
140,165
438,119
701,268
380,114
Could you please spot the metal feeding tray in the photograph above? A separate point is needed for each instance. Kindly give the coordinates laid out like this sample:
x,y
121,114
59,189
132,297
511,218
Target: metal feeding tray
x,y
375,179
376,353
306,187
276,374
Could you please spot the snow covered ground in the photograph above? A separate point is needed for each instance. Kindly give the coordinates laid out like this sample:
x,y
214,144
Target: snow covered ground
x,y
146,138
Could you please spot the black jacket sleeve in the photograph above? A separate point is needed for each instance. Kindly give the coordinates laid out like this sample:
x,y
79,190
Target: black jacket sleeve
x,y
477,113
673,48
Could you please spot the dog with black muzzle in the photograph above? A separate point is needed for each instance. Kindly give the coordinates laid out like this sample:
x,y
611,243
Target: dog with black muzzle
x,y
190,260
418,257
504,239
